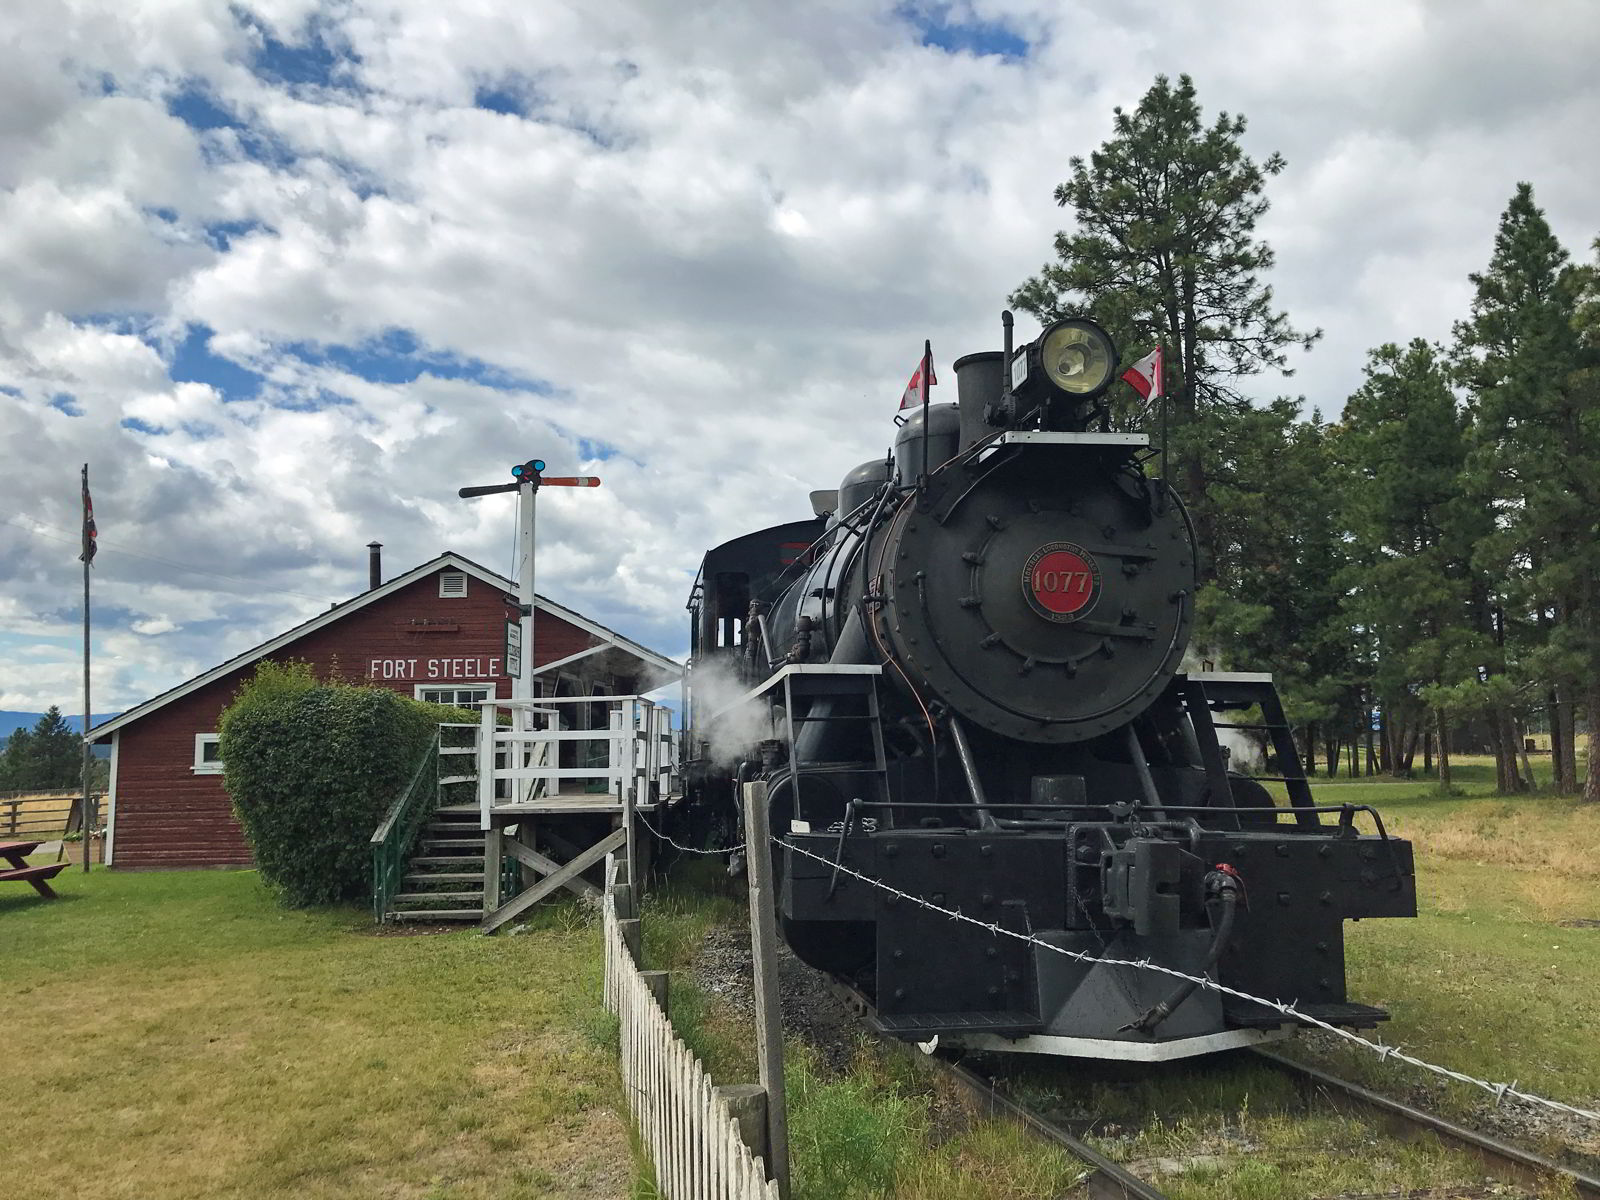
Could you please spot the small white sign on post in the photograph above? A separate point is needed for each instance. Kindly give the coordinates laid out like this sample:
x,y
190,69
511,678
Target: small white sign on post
x,y
513,655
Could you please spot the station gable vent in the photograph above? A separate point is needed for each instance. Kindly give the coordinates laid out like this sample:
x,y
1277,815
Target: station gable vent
x,y
452,584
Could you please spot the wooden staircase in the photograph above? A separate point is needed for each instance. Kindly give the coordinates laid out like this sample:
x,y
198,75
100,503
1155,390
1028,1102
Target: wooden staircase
x,y
444,876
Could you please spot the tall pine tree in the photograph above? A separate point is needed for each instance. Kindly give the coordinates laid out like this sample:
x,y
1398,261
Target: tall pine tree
x,y
1412,531
1517,355
1582,561
1164,251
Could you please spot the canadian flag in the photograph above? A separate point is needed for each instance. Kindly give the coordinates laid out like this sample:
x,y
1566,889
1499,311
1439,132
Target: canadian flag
x,y
1147,376
914,393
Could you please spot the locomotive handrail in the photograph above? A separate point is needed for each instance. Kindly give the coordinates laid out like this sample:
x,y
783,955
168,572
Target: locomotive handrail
x,y
783,673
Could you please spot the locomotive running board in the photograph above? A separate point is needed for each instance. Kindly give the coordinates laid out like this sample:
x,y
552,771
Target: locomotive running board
x,y
1077,1047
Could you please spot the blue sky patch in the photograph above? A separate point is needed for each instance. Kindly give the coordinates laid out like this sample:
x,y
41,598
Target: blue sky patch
x,y
67,403
198,110
312,62
499,99
397,356
965,37
222,234
193,361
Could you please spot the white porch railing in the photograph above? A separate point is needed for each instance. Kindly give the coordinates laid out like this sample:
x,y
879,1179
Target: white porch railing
x,y
519,763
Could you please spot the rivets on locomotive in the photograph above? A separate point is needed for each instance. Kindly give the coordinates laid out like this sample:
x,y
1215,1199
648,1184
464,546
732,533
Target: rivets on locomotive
x,y
1027,665
996,521
973,557
971,601
1326,898
938,850
989,642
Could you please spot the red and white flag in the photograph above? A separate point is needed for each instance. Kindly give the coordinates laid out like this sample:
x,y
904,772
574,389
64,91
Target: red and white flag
x,y
1147,376
922,379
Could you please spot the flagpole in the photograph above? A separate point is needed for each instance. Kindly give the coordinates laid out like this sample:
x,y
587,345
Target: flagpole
x,y
83,812
927,368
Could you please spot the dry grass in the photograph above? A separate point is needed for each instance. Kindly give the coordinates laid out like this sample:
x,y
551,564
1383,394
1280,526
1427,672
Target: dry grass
x,y
179,1035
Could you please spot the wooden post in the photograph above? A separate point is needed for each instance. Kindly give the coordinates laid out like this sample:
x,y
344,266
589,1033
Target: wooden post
x,y
747,1105
493,854
656,981
632,938
622,899
88,557
630,790
764,961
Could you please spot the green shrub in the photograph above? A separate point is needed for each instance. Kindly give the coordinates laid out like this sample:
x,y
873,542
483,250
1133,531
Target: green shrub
x,y
312,768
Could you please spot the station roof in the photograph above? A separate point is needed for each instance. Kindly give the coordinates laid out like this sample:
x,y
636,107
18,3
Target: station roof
x,y
661,670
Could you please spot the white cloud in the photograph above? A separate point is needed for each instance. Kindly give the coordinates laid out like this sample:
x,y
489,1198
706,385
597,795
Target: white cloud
x,y
701,265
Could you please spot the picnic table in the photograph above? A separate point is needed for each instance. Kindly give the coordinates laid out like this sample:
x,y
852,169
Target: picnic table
x,y
16,853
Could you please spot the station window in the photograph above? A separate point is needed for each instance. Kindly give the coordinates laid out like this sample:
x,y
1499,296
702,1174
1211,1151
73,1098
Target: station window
x,y
462,695
207,754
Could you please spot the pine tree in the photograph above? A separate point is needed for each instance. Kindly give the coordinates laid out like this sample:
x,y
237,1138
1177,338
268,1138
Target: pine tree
x,y
55,753
14,761
1164,252
1518,356
1412,533
1582,563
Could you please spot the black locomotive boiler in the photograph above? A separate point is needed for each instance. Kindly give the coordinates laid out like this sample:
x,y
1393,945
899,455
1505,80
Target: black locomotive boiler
x,y
965,678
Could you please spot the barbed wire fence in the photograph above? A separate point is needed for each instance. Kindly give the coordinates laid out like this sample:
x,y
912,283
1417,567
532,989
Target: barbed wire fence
x,y
1384,1052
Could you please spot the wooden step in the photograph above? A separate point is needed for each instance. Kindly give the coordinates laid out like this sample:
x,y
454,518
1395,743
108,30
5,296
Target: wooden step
x,y
437,896
455,844
445,877
437,914
445,860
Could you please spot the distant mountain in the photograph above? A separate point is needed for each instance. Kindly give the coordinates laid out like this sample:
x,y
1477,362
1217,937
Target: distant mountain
x,y
27,720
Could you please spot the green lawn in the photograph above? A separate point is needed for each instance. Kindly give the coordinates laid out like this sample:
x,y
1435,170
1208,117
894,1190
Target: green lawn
x,y
1499,975
178,1034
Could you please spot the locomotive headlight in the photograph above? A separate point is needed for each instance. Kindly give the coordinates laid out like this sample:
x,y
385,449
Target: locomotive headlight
x,y
1077,357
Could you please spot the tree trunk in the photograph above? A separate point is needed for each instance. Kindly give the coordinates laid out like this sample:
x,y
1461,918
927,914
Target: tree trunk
x,y
1552,717
1331,748
1521,732
1591,786
1565,712
1427,750
1444,752
1409,754
1508,734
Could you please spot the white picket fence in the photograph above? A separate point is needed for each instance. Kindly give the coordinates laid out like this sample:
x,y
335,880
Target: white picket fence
x,y
693,1141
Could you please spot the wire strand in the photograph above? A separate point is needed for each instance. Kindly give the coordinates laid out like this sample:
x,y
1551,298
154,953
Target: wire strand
x,y
1384,1052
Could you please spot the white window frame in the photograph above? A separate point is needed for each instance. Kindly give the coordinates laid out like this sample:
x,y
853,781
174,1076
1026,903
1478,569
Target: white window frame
x,y
201,765
466,585
491,685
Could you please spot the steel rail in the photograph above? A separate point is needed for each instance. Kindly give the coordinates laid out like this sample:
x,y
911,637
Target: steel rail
x,y
1106,1180
1511,1164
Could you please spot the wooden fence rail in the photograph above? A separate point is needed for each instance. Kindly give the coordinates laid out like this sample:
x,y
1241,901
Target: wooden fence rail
x,y
693,1138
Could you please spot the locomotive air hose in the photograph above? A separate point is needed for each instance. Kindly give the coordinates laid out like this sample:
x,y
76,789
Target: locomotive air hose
x,y
1226,890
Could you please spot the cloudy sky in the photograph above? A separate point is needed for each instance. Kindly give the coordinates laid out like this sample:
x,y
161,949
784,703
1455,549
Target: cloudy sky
x,y
288,273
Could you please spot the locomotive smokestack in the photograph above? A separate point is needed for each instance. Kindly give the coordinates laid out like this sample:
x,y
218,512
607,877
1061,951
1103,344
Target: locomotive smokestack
x,y
374,564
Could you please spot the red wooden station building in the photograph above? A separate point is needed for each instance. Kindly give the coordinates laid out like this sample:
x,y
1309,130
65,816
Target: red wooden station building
x,y
437,632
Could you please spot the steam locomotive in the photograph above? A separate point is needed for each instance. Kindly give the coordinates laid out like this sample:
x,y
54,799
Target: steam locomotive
x,y
962,678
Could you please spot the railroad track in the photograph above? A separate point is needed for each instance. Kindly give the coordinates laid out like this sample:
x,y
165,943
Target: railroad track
x,y
1109,1180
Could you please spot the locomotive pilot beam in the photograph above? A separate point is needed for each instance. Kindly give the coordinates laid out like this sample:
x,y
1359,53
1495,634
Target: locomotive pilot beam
x,y
968,685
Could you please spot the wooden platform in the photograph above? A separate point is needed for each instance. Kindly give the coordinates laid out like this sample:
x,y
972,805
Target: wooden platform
x,y
565,802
